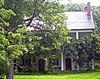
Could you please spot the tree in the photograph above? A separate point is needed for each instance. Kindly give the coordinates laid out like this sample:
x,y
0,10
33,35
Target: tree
x,y
11,47
49,21
50,25
96,17
21,8
84,51
75,7
10,43
15,47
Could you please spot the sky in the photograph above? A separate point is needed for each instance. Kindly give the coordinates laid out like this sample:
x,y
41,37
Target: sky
x,y
93,2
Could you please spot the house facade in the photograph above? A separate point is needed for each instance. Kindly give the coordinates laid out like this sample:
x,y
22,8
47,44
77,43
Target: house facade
x,y
80,24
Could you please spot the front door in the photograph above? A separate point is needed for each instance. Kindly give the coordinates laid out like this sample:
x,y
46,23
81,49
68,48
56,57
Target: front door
x,y
68,64
41,65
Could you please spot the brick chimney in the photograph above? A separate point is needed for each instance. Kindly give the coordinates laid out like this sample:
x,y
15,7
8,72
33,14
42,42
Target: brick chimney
x,y
88,10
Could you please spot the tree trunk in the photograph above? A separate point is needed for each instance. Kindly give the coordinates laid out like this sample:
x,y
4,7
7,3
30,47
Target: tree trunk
x,y
10,70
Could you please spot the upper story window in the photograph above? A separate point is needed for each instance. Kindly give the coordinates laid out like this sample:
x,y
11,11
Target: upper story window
x,y
79,35
73,35
82,35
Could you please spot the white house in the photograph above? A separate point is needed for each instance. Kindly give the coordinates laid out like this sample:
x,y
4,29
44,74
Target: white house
x,y
80,24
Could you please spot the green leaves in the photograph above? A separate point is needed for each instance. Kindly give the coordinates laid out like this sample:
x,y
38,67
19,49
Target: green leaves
x,y
51,13
16,50
3,40
1,47
75,7
96,17
11,46
15,38
6,14
3,55
1,2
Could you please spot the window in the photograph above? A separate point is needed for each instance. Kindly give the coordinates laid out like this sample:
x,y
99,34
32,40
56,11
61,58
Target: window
x,y
54,62
81,37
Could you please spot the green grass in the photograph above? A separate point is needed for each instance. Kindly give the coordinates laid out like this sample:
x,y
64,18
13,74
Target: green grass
x,y
87,75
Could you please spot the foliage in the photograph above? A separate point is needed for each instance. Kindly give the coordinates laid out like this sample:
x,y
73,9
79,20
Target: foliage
x,y
4,42
83,51
75,7
20,8
96,17
5,14
11,45
49,29
47,37
94,41
2,68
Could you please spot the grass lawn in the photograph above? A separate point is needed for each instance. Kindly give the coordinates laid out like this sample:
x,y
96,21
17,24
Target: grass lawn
x,y
87,75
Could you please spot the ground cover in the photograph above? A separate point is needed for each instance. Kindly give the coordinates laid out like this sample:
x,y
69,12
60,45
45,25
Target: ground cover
x,y
85,75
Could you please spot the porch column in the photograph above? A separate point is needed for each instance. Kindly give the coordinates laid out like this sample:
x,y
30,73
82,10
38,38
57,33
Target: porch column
x,y
92,64
46,63
62,61
77,65
77,36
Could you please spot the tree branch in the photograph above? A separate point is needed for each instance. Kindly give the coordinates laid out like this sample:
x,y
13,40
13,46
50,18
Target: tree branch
x,y
34,14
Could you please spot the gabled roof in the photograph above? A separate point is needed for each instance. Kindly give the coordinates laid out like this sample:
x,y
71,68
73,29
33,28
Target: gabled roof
x,y
79,20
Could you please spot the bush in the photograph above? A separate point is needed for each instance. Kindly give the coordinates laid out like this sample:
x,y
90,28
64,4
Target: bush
x,y
2,73
2,70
